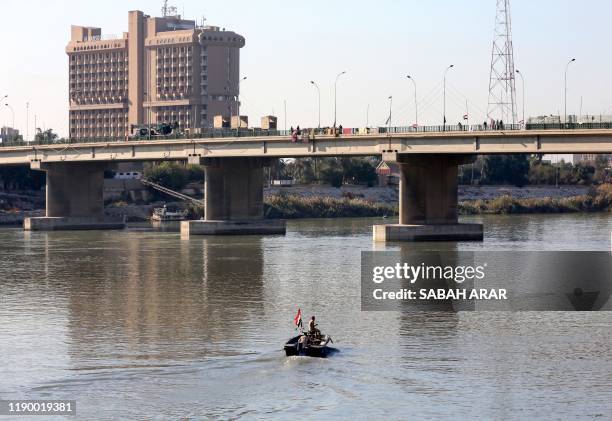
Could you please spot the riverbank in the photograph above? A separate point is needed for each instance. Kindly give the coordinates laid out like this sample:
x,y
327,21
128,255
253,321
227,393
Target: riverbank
x,y
596,200
356,201
390,194
293,207
289,206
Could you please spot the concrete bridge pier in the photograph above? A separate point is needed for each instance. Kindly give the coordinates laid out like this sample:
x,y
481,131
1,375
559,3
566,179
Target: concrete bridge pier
x,y
428,201
233,196
74,198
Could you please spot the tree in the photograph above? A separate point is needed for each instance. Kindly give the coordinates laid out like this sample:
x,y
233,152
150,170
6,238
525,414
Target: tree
x,y
470,173
168,174
301,170
359,171
330,172
505,169
45,136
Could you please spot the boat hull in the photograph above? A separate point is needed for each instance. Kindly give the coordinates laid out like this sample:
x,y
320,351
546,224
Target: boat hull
x,y
293,348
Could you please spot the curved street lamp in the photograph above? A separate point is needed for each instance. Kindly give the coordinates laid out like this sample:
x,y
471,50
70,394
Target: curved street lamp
x,y
565,96
523,83
416,110
336,96
13,112
444,105
239,123
319,96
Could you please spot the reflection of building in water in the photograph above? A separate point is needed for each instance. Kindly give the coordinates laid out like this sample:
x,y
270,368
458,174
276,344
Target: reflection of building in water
x,y
158,294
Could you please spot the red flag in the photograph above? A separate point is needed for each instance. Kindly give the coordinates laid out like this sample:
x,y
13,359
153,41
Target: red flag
x,y
298,318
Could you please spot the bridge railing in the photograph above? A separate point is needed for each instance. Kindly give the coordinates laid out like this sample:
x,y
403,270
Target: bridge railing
x,y
568,126
256,132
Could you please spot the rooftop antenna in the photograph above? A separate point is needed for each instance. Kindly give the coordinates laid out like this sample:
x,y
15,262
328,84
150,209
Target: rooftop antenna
x,y
168,11
165,8
502,90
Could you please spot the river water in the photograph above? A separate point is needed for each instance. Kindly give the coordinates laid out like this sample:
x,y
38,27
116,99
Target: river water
x,y
141,324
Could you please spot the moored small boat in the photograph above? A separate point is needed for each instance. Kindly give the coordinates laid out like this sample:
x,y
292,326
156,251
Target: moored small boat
x,y
163,214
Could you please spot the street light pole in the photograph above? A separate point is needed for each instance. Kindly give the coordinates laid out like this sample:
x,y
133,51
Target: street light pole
x,y
27,121
239,123
390,110
13,113
523,83
336,97
444,101
416,110
565,96
319,96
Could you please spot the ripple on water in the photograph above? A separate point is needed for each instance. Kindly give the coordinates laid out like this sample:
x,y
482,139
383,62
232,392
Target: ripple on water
x,y
142,322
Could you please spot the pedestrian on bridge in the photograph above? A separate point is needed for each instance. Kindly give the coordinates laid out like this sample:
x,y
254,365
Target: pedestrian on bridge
x,y
294,134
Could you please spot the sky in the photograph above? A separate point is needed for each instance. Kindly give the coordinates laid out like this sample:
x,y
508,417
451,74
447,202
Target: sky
x,y
377,43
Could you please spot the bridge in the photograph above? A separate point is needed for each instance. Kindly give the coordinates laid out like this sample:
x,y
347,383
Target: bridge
x,y
233,188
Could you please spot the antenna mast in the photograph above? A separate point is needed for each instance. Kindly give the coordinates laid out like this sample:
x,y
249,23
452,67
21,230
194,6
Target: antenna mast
x,y
165,9
168,11
502,88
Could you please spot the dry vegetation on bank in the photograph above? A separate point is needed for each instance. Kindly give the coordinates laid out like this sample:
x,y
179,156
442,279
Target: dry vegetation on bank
x,y
284,206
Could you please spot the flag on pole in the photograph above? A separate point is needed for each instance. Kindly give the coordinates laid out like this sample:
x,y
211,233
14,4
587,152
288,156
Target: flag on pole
x,y
465,116
297,321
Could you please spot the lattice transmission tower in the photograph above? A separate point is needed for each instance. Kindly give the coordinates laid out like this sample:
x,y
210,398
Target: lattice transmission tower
x,y
502,89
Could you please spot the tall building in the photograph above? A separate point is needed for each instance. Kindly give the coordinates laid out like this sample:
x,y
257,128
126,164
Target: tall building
x,y
8,133
163,70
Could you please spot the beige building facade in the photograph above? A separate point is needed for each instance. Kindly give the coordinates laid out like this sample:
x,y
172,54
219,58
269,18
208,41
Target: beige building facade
x,y
163,70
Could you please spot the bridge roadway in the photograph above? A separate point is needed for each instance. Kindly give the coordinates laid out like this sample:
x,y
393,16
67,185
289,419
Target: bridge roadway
x,y
233,188
485,142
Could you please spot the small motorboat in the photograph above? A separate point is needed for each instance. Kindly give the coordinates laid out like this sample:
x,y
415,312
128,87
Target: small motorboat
x,y
309,346
164,215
